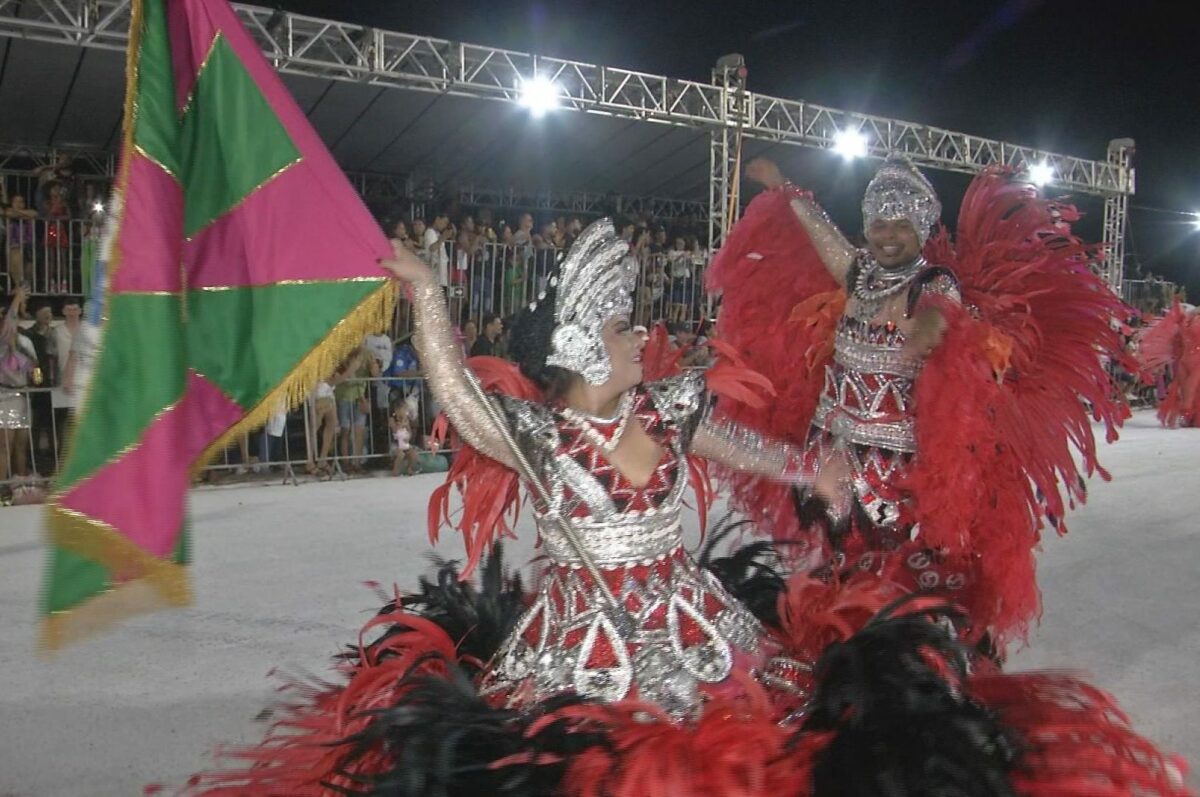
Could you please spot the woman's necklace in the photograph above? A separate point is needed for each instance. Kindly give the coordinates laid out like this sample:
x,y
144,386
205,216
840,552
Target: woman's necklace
x,y
876,284
584,423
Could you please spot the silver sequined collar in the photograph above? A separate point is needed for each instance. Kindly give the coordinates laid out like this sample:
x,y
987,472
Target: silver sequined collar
x,y
875,284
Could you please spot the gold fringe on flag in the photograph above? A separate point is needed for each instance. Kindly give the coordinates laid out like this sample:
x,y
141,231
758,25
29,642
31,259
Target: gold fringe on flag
x,y
372,314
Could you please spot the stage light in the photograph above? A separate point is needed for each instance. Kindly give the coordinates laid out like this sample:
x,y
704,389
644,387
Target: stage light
x,y
540,95
1041,173
97,207
850,144
1196,221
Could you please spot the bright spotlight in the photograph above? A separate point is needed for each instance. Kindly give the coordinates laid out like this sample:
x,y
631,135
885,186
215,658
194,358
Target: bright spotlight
x,y
850,144
1196,220
1041,173
97,207
540,95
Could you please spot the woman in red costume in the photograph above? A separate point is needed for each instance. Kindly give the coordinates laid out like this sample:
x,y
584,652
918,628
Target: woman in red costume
x,y
633,669
952,376
1170,346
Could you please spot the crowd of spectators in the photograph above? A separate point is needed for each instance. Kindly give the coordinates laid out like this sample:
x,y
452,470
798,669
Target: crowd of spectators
x,y
488,263
374,411
49,229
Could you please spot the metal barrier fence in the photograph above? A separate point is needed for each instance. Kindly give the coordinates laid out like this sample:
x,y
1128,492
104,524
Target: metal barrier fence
x,y
320,439
504,278
52,257
492,278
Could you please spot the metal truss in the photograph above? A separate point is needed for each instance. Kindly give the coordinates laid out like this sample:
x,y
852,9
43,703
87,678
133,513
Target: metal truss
x,y
725,149
88,162
798,122
341,51
1116,217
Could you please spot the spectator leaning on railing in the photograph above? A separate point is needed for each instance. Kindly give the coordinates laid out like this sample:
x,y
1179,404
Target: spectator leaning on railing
x,y
18,361
404,375
45,343
63,401
353,407
19,235
485,344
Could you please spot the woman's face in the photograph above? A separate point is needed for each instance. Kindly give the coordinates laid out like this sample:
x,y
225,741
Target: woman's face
x,y
624,352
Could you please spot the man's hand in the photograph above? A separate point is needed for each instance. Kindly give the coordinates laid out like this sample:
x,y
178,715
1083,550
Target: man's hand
x,y
833,479
765,173
929,326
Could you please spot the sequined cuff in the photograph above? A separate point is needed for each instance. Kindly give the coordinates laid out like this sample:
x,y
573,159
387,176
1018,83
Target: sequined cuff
x,y
442,363
794,191
737,447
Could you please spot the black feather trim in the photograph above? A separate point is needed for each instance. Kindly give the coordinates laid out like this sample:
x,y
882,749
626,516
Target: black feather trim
x,y
751,573
444,740
478,618
902,726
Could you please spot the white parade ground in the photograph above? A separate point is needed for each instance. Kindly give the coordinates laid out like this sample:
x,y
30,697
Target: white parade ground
x,y
278,580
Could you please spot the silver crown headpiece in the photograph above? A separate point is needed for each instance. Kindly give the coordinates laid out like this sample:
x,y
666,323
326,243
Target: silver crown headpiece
x,y
595,282
899,191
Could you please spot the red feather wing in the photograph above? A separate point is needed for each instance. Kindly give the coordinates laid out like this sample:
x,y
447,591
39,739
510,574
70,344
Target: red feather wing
x,y
1005,404
489,492
778,312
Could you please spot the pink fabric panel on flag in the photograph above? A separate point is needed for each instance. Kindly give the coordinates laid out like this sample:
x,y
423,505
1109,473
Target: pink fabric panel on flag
x,y
151,231
157,471
233,251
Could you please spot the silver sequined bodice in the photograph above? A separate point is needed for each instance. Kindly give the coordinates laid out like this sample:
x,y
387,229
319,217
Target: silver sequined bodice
x,y
868,394
688,631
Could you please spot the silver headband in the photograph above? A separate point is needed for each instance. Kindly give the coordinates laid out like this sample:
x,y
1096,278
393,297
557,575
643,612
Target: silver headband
x,y
595,283
899,191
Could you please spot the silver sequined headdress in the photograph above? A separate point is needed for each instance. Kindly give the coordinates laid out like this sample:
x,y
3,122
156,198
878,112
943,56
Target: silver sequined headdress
x,y
595,283
899,191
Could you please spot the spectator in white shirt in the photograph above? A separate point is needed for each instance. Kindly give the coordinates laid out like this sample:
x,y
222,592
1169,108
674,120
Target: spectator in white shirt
x,y
436,244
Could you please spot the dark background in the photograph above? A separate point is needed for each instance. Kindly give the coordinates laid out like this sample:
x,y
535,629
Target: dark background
x,y
1065,75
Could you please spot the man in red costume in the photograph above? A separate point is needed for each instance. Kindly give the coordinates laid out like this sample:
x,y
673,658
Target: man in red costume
x,y
941,383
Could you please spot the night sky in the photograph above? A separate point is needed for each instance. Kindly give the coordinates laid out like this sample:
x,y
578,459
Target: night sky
x,y
1065,76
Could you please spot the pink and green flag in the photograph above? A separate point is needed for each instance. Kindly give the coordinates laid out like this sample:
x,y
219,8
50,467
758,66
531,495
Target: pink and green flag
x,y
240,268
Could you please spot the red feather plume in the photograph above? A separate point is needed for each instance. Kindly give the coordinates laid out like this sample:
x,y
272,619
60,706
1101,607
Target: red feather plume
x,y
779,309
490,492
1005,403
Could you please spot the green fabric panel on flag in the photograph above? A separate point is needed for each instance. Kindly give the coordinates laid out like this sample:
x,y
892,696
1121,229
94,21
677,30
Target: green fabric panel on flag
x,y
70,580
247,340
182,555
232,141
157,128
140,372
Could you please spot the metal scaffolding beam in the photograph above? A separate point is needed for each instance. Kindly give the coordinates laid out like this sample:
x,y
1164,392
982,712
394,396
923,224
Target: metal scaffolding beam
x,y
342,51
724,148
1116,217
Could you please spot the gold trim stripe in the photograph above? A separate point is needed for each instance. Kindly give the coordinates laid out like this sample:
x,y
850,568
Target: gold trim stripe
x,y
147,582
139,149
245,198
212,46
218,288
